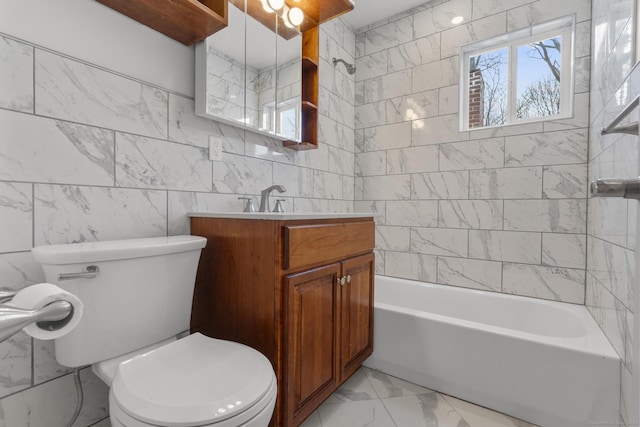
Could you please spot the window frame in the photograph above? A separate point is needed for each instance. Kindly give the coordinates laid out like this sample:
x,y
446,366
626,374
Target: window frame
x,y
564,27
273,112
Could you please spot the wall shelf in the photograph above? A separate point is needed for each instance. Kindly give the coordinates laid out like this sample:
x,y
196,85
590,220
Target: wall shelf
x,y
314,11
187,21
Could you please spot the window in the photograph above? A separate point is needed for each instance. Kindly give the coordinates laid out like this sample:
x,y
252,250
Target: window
x,y
283,119
519,77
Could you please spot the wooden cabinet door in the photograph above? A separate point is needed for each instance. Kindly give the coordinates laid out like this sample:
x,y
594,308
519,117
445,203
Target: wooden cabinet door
x,y
356,332
311,329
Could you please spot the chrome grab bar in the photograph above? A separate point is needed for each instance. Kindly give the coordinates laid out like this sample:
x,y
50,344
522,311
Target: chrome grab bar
x,y
631,129
51,317
88,273
626,188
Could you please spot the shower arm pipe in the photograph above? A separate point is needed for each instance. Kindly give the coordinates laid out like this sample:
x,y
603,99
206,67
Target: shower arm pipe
x,y
631,129
350,67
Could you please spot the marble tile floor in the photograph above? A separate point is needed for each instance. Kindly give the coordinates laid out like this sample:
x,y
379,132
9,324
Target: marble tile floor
x,y
374,399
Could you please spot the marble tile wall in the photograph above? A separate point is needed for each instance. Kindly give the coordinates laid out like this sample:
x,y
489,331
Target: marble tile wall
x,y
611,225
501,209
87,154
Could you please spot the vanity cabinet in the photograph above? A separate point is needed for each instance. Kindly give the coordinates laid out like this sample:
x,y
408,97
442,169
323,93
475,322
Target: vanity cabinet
x,y
300,291
329,332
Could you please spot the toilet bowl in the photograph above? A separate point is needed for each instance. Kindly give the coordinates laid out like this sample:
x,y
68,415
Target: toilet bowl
x,y
133,311
195,381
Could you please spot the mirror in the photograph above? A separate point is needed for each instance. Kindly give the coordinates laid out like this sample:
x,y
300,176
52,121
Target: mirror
x,y
289,87
249,74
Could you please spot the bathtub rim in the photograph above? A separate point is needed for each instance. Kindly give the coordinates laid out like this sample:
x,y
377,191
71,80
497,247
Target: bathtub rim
x,y
594,342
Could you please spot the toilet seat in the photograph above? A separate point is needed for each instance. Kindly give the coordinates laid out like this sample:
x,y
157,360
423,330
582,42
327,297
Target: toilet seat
x,y
195,381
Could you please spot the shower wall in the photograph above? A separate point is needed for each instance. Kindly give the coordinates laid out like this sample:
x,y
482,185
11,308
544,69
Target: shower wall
x,y
611,226
500,209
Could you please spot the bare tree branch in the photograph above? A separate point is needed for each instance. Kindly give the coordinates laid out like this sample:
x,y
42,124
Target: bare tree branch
x,y
543,52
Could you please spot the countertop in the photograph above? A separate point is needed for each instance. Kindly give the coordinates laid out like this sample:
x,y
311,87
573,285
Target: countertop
x,y
280,216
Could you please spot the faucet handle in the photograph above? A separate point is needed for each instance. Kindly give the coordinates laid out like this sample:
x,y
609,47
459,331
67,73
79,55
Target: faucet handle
x,y
278,208
248,205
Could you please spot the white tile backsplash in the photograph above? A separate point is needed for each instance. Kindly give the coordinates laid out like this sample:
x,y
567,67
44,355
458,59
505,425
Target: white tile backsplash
x,y
389,35
69,213
506,195
388,86
440,185
150,163
70,90
44,150
15,362
437,130
559,216
435,74
475,214
479,154
386,137
440,241
387,187
415,106
549,148
438,18
508,183
566,181
416,52
411,266
412,160
16,75
564,250
554,283
480,29
507,246
389,238
16,211
19,269
52,403
415,213
470,273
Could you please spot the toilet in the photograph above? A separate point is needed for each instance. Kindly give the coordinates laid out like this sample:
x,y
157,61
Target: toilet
x,y
134,309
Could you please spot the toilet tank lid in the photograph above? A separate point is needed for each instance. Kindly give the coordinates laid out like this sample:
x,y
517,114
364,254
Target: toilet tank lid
x,y
77,253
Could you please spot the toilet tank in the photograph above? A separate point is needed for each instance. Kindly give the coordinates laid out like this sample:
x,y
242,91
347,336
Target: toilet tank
x,y
142,295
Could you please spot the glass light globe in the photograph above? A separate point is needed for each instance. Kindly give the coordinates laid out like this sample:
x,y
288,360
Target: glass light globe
x,y
295,16
275,4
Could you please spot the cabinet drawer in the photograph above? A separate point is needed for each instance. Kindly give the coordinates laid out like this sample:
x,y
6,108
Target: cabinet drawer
x,y
309,245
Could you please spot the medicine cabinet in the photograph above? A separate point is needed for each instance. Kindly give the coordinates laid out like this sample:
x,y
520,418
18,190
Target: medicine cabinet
x,y
264,74
248,74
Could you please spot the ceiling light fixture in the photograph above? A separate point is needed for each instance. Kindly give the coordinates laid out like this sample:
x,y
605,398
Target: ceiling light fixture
x,y
295,16
457,20
275,4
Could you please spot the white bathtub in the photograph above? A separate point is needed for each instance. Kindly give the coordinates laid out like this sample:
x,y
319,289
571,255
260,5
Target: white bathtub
x,y
541,361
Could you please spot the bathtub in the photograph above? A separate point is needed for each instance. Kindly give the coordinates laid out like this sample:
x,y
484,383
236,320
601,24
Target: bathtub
x,y
544,362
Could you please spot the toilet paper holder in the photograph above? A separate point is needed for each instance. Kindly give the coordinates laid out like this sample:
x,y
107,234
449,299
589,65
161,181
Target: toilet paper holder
x,y
51,317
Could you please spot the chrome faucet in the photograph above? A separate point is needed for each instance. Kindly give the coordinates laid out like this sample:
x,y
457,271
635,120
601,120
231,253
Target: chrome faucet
x,y
264,197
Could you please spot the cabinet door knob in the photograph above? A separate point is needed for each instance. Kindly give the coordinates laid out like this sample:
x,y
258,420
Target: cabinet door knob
x,y
348,278
341,280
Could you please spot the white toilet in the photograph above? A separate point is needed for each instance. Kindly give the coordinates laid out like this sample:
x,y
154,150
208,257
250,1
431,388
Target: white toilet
x,y
133,310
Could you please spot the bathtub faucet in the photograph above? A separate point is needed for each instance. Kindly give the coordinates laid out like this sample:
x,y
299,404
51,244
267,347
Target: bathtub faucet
x,y
264,197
